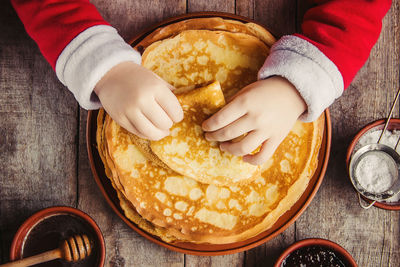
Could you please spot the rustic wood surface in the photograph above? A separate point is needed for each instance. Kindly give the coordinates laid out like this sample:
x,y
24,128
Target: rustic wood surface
x,y
43,148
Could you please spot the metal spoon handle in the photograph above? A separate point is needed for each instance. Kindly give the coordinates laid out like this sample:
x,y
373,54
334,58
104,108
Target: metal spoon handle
x,y
389,116
397,143
361,202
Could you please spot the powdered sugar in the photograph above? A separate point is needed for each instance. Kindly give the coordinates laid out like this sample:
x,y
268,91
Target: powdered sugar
x,y
389,138
375,171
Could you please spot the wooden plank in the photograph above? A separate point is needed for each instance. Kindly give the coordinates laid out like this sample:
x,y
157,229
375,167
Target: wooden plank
x,y
215,261
131,17
245,8
371,236
38,128
302,7
124,246
267,254
220,6
227,260
269,13
278,16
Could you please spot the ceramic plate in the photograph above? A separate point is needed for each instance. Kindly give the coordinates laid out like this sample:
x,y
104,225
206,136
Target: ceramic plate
x,y
206,249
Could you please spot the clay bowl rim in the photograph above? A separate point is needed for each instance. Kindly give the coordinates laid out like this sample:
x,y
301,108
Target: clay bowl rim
x,y
33,220
394,124
316,242
229,249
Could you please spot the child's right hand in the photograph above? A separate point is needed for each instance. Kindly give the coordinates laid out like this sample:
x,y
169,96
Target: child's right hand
x,y
139,100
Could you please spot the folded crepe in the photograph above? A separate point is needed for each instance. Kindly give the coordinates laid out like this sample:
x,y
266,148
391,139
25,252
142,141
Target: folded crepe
x,y
186,151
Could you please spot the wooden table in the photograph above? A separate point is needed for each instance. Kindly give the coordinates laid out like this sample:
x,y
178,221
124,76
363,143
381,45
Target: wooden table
x,y
43,149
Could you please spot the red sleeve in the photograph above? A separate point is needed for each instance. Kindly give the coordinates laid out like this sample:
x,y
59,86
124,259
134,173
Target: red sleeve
x,y
52,24
345,31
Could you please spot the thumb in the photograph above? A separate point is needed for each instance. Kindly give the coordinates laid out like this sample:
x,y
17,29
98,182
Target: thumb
x,y
267,150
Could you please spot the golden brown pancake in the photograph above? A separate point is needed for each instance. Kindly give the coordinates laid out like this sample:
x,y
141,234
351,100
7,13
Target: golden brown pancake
x,y
127,207
216,24
178,208
200,57
205,213
186,151
196,57
144,146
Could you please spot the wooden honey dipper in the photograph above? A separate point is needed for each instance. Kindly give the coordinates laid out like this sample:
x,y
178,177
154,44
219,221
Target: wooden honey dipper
x,y
75,248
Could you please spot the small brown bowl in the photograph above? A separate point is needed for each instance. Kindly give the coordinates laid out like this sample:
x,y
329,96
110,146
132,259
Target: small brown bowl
x,y
394,124
58,223
341,252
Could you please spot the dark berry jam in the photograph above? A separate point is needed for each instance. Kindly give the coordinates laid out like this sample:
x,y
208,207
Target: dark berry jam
x,y
314,256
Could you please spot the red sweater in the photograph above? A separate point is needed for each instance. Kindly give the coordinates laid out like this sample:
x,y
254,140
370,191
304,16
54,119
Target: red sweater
x,y
344,31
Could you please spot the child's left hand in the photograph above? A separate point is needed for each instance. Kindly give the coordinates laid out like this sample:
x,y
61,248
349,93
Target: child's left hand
x,y
266,110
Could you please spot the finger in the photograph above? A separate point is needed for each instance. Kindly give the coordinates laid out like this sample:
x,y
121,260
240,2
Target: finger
x,y
267,150
225,116
157,116
170,104
127,125
146,128
233,130
169,86
247,145
241,91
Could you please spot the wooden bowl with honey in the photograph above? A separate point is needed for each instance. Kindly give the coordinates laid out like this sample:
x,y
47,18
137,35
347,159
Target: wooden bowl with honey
x,y
48,228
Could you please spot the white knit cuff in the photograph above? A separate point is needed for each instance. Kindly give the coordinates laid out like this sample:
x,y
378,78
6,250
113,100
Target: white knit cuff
x,y
314,75
88,57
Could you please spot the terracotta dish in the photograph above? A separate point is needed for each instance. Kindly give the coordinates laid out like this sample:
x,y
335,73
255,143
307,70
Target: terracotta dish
x,y
106,187
318,242
394,124
44,231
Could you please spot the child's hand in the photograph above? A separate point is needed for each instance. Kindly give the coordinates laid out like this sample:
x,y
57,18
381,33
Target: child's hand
x,y
139,100
266,110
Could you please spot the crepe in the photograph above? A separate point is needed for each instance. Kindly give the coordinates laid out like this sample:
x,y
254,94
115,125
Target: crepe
x,y
186,150
196,57
185,209
216,24
125,204
175,207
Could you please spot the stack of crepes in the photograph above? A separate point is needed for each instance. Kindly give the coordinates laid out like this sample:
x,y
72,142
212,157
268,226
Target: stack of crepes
x,y
183,188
